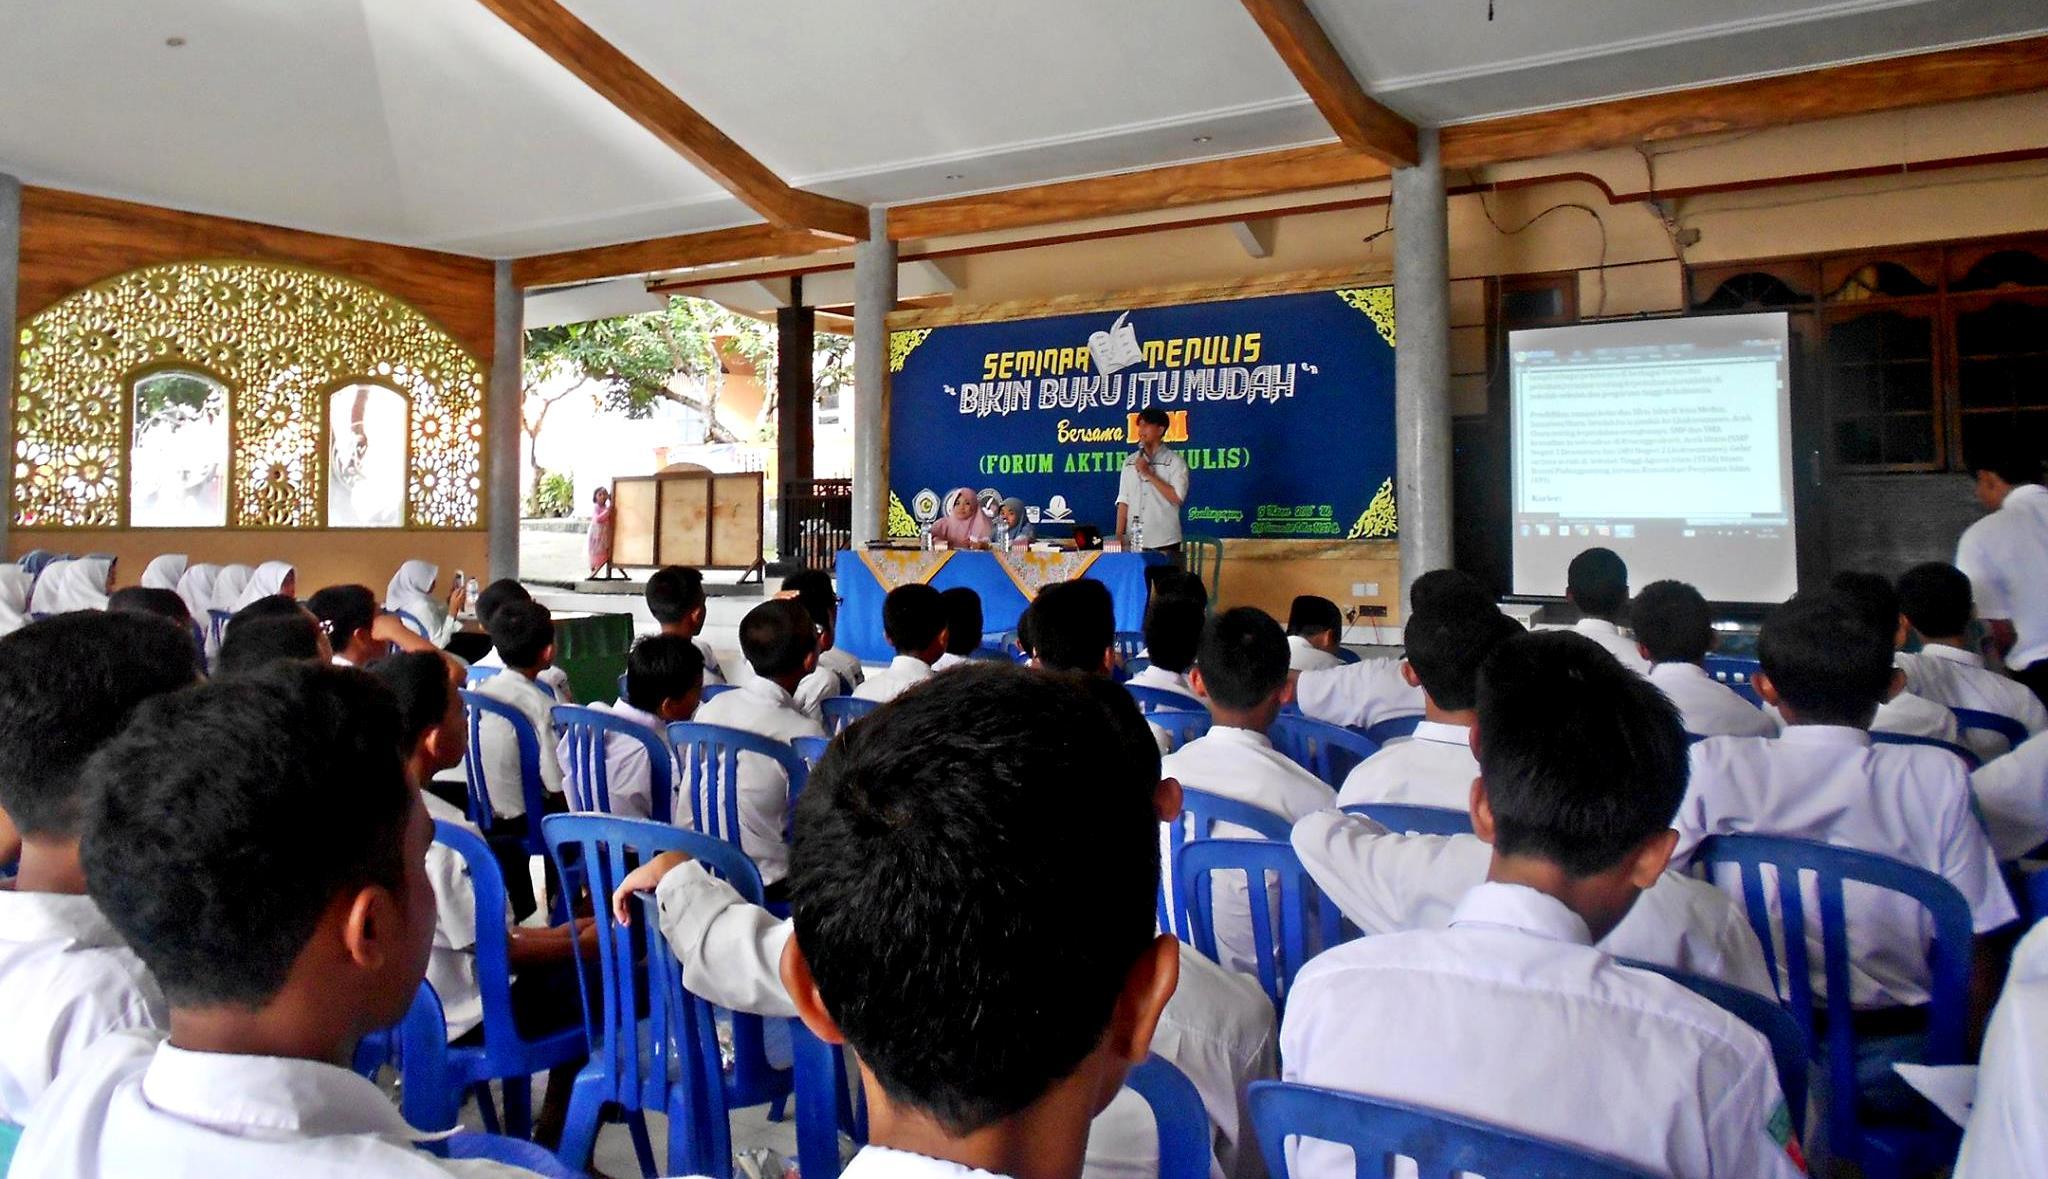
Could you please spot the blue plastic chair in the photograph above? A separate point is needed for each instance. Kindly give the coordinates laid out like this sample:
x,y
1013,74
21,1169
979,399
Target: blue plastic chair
x,y
412,623
1790,1050
669,1060
811,749
826,1105
1404,818
841,711
1392,728
216,626
1151,700
1181,725
531,786
2004,726
475,675
1970,759
1328,751
1309,922
1346,655
511,1151
1200,811
1879,1150
1177,1111
1441,1144
585,775
707,766
2037,895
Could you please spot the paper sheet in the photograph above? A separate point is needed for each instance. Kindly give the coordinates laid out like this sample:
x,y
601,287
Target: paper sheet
x,y
1951,1087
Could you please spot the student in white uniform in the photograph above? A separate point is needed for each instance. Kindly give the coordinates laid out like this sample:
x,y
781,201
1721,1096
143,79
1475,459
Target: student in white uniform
x,y
1476,1019
1242,673
2005,556
523,632
837,673
675,596
2012,796
664,684
1173,633
781,645
1436,766
1935,600
66,977
1597,583
914,619
963,627
412,589
1877,604
279,944
358,631
1315,633
1151,489
1369,691
1675,631
271,629
494,595
2008,1130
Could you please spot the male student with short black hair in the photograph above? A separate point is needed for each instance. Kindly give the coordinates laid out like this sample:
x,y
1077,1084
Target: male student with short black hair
x,y
1597,583
523,633
1073,627
963,626
1581,766
1876,603
1364,693
66,978
2005,556
1435,766
914,619
664,684
359,631
838,673
1315,633
156,602
1935,600
270,630
1173,633
1675,631
494,595
675,596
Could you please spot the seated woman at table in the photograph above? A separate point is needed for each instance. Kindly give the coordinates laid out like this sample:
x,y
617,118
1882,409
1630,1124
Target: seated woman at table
x,y
1012,513
963,526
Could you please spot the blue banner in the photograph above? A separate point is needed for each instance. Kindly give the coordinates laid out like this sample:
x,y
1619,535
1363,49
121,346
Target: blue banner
x,y
1282,405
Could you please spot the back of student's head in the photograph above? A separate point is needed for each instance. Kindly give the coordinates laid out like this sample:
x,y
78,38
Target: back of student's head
x,y
1244,657
1597,581
1936,599
343,610
67,685
1582,759
1311,616
1825,660
673,591
776,637
1447,645
963,620
420,685
813,588
662,667
263,633
945,818
496,594
1873,598
912,617
1166,581
1173,632
522,632
225,821
1672,621
1073,624
2011,459
157,603
1443,587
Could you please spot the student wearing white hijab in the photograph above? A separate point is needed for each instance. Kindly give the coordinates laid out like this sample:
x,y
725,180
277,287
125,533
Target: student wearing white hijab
x,y
14,586
80,584
195,585
228,587
412,590
271,577
164,572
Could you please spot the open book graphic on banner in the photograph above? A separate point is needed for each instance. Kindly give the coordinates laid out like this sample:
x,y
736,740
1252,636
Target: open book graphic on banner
x,y
1116,348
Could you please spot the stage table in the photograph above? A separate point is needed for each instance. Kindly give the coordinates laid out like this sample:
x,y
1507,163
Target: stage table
x,y
1006,583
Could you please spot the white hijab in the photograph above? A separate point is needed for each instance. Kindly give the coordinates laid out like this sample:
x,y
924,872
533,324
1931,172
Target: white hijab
x,y
67,586
267,580
228,587
164,572
412,590
196,587
14,586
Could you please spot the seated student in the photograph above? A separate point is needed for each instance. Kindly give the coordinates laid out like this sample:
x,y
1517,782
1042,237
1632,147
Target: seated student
x,y
1242,673
2011,792
1877,604
664,683
1581,767
1315,633
1218,1028
156,603
257,843
269,630
963,627
675,596
781,646
523,632
1675,631
494,595
1825,669
66,978
1369,691
837,673
1173,633
1934,599
1435,767
2008,1128
914,619
1073,628
358,630
1597,583
413,589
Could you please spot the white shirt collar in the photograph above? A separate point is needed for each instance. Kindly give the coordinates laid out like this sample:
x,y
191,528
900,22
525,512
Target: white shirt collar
x,y
1953,654
881,1162
1517,906
2023,491
1232,735
270,1093
769,690
1596,626
1675,670
625,711
1837,735
46,916
1443,734
909,667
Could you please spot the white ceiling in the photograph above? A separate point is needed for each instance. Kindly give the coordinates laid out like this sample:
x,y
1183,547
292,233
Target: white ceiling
x,y
428,122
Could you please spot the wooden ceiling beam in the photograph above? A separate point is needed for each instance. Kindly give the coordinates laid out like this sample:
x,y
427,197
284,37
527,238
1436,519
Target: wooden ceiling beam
x,y
621,81
1358,119
742,244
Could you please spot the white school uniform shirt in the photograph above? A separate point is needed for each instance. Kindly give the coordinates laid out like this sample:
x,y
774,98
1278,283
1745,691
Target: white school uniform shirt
x,y
1217,1028
629,780
759,706
66,980
882,1162
1955,678
1385,882
1830,783
1619,645
1360,694
555,678
1303,655
500,749
2008,1130
2012,797
1707,707
948,662
1158,518
1479,1020
845,665
1153,676
1435,767
451,964
903,673
136,1105
2005,556
819,686
1905,714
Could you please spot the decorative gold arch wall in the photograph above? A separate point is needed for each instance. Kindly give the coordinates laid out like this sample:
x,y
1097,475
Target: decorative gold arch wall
x,y
281,338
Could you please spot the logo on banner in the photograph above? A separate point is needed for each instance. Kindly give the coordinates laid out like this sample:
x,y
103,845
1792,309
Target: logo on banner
x,y
990,499
924,506
1117,348
1056,509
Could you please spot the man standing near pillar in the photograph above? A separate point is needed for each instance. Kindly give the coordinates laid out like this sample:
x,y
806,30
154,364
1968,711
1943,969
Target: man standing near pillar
x,y
1151,490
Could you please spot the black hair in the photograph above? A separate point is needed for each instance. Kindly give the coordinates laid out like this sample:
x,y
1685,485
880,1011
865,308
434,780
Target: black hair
x,y
344,610
1173,632
1447,645
776,636
259,636
1165,581
1672,620
813,587
226,819
662,667
521,631
1073,624
1825,659
2008,458
1152,415
673,591
963,620
1244,657
1311,615
418,681
942,822
1874,599
267,606
70,683
1582,758
1447,586
1936,599
496,594
157,603
1597,580
912,616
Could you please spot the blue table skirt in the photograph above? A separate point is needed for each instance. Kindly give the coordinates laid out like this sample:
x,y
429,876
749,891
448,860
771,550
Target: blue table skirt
x,y
860,608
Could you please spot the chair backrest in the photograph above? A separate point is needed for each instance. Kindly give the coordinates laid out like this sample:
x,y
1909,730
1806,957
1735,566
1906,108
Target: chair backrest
x,y
531,787
1182,725
1405,818
826,1105
1151,700
811,749
713,691
1392,728
841,711
708,766
516,1152
1177,1111
1441,1144
475,675
412,624
1309,922
1789,1048
1328,751
216,626
1976,718
1970,759
1203,557
585,772
1200,811
493,944
1830,869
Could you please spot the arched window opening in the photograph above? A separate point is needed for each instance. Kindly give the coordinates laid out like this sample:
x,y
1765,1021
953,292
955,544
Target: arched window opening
x,y
366,458
179,451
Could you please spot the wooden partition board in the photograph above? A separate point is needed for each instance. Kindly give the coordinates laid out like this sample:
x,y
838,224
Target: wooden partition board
x,y
633,521
691,518
737,512
683,535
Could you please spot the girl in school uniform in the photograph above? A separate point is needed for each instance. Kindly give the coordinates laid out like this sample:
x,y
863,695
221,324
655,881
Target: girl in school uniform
x,y
413,590
271,577
164,572
68,585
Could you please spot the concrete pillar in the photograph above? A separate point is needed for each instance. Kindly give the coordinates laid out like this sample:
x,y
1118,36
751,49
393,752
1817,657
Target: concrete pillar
x,y
796,396
874,296
501,426
10,285
1422,364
